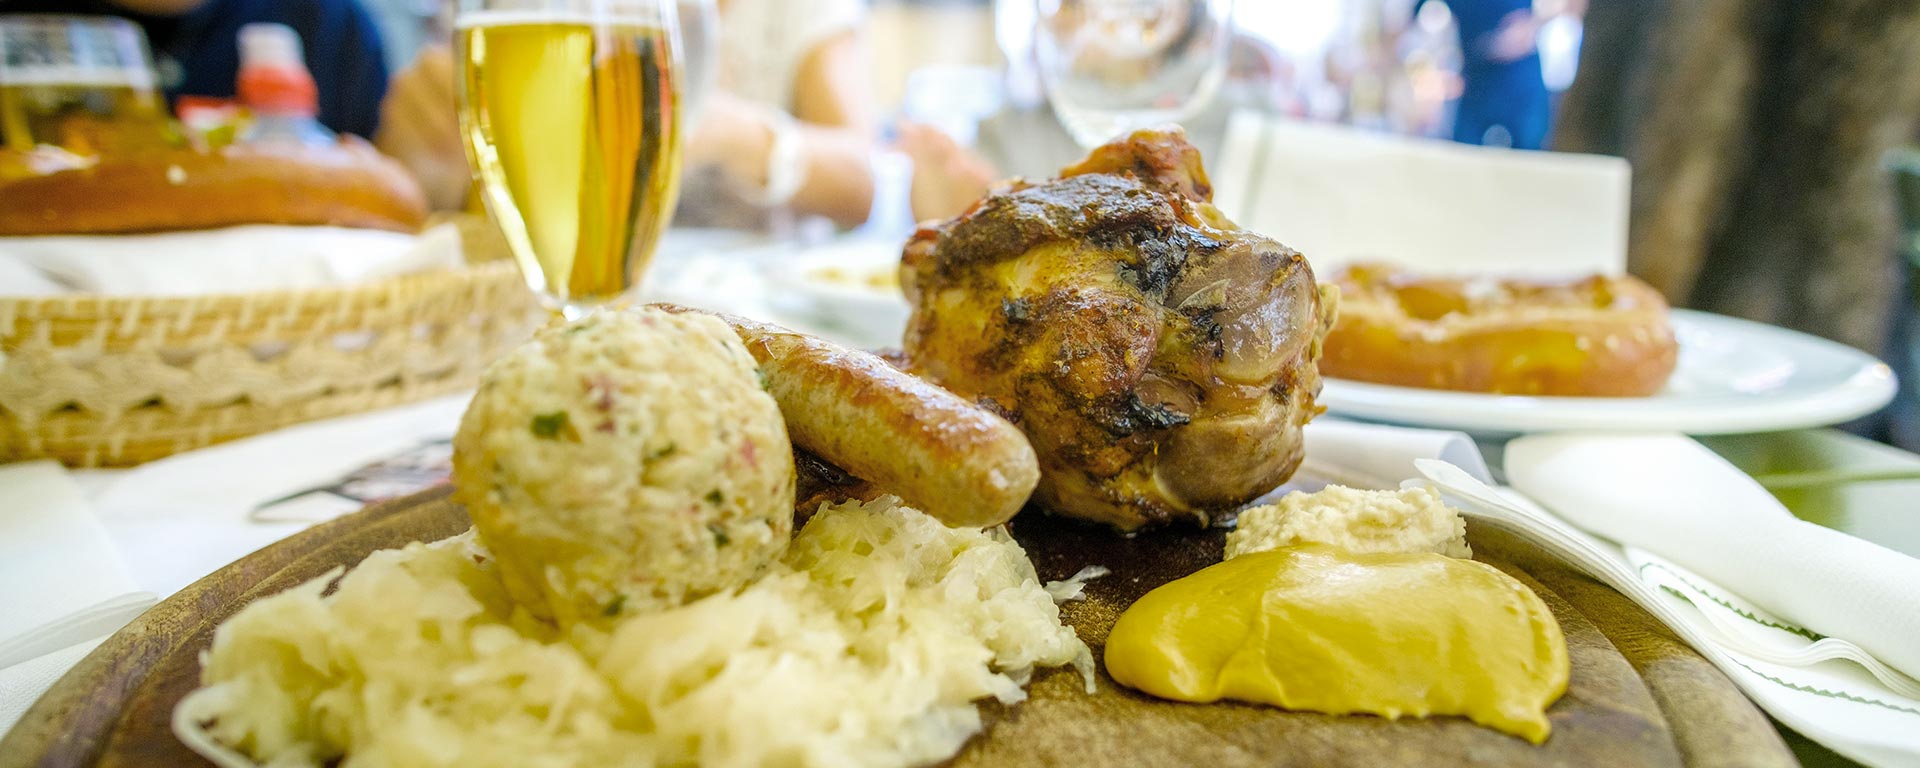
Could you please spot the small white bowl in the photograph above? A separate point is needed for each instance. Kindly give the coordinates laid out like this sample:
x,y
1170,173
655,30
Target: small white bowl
x,y
852,285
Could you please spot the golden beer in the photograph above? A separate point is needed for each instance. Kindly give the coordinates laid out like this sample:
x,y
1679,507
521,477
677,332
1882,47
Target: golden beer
x,y
87,120
81,83
573,129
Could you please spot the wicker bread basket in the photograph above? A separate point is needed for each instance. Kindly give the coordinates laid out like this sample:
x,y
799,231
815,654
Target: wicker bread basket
x,y
114,381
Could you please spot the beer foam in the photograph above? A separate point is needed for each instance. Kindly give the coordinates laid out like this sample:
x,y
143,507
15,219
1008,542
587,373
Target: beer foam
x,y
643,14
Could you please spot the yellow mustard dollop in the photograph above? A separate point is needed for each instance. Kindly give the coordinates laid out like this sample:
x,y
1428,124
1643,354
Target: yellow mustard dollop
x,y
1324,629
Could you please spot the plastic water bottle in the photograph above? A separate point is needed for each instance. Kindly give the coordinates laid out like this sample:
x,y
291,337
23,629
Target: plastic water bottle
x,y
276,87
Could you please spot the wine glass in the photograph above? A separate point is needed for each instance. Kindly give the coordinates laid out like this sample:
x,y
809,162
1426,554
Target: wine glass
x,y
1111,66
700,52
570,111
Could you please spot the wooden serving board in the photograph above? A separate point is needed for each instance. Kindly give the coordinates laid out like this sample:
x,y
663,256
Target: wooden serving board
x,y
1638,697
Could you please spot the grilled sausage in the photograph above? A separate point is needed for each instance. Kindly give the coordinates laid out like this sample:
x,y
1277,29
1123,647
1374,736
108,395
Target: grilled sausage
x,y
943,455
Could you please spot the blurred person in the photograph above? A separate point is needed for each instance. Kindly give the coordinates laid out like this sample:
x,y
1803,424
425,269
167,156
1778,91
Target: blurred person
x,y
1504,100
405,26
196,50
791,122
1260,77
789,125
420,127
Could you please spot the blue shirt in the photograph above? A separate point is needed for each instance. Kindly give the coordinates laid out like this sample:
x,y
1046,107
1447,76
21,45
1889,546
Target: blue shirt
x,y
1509,95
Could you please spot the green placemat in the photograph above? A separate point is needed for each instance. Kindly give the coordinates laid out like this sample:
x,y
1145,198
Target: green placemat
x,y
1884,512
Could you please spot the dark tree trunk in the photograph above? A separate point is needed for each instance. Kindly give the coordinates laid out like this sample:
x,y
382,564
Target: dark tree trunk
x,y
1756,131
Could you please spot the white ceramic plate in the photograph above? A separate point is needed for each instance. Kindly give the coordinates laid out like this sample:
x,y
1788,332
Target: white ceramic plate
x,y
1734,376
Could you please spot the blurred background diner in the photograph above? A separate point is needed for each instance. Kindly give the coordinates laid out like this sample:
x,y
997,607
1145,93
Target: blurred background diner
x,y
1764,137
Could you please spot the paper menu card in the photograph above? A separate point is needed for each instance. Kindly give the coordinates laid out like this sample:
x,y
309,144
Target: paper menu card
x,y
1341,195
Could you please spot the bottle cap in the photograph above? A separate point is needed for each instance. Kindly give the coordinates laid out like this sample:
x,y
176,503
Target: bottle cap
x,y
273,75
271,45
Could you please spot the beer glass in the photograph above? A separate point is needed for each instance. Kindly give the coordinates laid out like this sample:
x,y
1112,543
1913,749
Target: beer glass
x,y
81,83
570,111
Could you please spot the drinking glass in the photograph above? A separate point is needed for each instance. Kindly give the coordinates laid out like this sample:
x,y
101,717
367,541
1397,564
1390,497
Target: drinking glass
x,y
82,83
1111,66
700,54
570,111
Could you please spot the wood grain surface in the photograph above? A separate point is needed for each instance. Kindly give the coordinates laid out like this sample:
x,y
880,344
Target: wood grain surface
x,y
1637,696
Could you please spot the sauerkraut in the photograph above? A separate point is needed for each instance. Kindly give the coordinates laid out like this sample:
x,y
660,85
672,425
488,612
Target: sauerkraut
x,y
866,644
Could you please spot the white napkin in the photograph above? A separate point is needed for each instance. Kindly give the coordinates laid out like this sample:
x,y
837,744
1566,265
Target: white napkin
x,y
55,558
232,260
1342,194
1688,505
182,517
18,278
1381,457
1820,694
23,684
65,584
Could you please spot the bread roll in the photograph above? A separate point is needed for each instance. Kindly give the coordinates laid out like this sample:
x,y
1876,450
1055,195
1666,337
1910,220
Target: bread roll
x,y
348,184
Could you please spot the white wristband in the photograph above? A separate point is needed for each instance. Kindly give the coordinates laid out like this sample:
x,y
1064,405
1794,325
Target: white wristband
x,y
786,162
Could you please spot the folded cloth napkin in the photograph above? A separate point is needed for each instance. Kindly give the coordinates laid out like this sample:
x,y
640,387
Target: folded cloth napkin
x,y
65,585
1812,686
1688,505
233,260
1341,194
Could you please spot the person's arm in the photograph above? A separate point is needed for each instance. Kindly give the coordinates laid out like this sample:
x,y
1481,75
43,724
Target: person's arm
x,y
833,102
418,127
830,123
